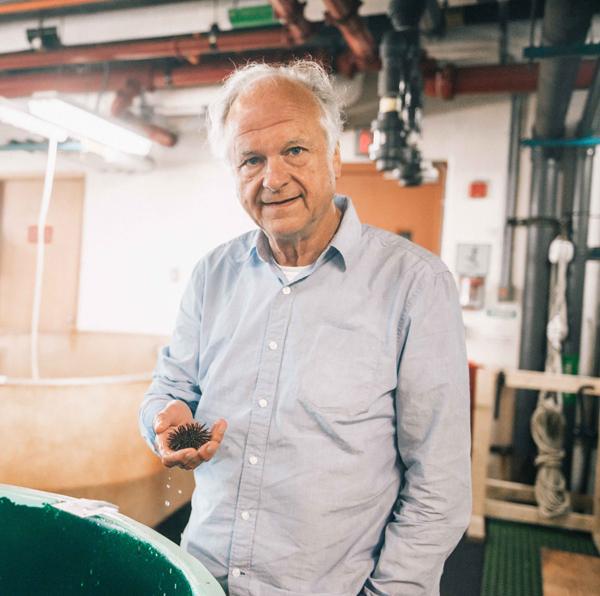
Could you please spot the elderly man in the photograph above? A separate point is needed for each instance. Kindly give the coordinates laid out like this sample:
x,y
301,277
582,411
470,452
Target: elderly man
x,y
329,358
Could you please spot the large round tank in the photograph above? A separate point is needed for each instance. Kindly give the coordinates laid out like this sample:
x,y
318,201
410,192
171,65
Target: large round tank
x,y
47,550
76,427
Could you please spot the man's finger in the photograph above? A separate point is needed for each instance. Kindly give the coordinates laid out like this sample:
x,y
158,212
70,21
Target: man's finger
x,y
218,430
174,458
161,422
208,450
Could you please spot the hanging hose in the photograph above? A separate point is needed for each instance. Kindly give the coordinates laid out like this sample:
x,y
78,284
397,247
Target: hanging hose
x,y
39,266
548,421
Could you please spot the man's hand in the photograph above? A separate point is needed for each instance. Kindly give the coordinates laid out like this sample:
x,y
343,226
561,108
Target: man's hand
x,y
167,420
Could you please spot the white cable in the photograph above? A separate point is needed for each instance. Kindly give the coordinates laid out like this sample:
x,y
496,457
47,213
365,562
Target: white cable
x,y
39,266
548,421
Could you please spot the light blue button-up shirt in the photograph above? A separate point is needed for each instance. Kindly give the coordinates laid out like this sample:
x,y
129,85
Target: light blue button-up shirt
x,y
345,465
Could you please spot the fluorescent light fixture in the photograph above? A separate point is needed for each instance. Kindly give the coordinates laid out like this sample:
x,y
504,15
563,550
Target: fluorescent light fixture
x,y
13,115
82,124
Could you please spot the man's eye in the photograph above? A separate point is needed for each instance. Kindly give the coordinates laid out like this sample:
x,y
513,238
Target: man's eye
x,y
251,161
295,150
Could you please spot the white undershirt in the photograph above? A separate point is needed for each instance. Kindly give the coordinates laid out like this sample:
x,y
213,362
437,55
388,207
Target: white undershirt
x,y
292,273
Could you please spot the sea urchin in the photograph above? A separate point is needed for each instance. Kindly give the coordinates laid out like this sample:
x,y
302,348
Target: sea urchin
x,y
186,436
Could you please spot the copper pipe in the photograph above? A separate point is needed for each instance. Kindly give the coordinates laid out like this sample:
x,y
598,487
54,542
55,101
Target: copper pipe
x,y
125,96
156,133
344,15
498,78
148,77
291,14
445,84
122,102
188,47
26,6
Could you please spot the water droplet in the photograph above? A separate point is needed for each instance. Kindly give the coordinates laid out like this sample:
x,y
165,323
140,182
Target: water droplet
x,y
91,572
168,486
170,570
179,492
175,586
167,503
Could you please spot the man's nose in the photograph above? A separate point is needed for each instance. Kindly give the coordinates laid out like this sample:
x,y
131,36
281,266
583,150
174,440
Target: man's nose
x,y
276,175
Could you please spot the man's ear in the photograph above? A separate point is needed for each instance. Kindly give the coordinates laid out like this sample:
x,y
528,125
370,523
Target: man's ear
x,y
337,162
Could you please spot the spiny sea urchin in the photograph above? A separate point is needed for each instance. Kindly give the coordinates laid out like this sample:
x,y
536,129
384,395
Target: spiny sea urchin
x,y
192,435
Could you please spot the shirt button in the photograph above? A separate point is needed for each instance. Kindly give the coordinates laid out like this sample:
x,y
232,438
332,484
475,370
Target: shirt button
x,y
285,290
236,572
272,345
262,403
245,515
253,459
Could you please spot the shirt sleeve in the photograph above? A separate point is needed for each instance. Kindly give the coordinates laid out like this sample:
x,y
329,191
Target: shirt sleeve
x,y
433,437
176,372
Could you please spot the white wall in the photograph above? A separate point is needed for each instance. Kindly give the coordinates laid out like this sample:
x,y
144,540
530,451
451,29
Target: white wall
x,y
142,236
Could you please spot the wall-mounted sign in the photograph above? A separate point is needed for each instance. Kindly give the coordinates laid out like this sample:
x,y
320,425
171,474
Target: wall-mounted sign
x,y
478,189
364,137
473,260
472,264
32,234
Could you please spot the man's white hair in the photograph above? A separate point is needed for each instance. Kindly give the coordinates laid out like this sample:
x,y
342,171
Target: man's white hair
x,y
307,73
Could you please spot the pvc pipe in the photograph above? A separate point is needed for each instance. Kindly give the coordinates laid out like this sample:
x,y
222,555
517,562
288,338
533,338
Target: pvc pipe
x,y
41,245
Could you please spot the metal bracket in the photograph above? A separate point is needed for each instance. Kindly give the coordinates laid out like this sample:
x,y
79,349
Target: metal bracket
x,y
562,225
590,141
573,49
594,253
500,381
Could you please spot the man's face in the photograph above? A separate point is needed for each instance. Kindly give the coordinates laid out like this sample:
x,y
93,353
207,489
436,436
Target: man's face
x,y
284,172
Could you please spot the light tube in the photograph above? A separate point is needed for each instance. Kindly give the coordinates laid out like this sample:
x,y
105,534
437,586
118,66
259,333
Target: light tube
x,y
83,124
10,114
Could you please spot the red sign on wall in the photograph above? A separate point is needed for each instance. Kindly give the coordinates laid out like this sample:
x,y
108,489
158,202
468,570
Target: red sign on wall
x,y
364,137
32,234
478,189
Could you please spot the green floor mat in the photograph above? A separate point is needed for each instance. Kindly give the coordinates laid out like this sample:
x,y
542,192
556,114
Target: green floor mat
x,y
512,563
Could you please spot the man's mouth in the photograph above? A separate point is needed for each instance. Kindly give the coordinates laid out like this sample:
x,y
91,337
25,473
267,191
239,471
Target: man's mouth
x,y
280,203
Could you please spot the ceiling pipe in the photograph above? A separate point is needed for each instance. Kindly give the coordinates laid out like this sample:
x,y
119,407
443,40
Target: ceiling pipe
x,y
35,6
291,14
344,15
188,47
122,102
443,84
449,81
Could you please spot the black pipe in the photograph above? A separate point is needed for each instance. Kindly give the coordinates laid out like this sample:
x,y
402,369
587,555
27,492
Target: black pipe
x,y
406,14
580,216
565,21
399,90
532,355
506,291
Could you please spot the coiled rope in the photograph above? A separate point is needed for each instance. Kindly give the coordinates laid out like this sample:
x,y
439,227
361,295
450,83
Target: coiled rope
x,y
548,421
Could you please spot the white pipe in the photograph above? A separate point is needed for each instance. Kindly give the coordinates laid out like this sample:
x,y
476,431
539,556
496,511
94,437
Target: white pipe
x,y
39,267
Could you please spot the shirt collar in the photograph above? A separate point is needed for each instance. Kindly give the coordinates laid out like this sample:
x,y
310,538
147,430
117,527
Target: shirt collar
x,y
344,241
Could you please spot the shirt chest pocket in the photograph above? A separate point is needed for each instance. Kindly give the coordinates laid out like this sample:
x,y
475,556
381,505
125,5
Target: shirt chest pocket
x,y
341,368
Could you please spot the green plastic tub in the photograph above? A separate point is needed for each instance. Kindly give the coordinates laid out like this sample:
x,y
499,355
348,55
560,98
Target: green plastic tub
x,y
47,550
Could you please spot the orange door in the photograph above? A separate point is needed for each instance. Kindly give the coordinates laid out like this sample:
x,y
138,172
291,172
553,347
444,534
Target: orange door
x,y
415,212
